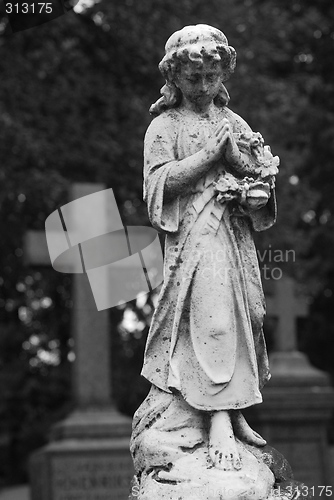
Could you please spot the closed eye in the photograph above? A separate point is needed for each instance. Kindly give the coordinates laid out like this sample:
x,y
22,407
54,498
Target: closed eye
x,y
211,78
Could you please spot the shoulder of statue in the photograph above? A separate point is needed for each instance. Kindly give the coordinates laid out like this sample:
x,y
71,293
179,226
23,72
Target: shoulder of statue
x,y
239,124
164,124
168,115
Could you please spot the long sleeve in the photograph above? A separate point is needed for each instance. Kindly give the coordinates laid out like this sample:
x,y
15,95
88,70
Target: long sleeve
x,y
265,217
159,157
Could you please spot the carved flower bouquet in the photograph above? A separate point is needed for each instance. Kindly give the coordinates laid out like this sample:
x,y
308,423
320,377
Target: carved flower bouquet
x,y
253,190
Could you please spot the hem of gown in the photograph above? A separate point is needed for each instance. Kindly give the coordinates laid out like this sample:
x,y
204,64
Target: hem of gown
x,y
264,380
224,407
162,387
236,406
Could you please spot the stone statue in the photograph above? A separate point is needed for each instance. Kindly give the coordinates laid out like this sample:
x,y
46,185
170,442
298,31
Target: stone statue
x,y
208,183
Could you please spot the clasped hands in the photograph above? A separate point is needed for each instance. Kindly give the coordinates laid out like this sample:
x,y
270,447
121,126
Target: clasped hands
x,y
222,144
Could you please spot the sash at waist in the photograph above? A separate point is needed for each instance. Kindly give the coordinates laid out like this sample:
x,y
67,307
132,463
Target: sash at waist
x,y
216,210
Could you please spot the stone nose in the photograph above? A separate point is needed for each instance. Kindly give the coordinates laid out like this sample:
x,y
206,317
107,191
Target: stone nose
x,y
204,85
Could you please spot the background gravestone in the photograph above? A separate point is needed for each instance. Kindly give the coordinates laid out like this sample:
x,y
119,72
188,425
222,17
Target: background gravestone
x,y
298,400
88,457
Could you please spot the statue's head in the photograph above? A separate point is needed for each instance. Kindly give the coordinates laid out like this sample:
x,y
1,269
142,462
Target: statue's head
x,y
196,45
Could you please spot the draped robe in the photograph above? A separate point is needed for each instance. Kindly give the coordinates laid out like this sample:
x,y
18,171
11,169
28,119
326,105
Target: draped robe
x,y
206,340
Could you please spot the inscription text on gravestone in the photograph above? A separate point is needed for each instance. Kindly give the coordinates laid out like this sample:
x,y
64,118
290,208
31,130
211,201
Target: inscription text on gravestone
x,y
91,478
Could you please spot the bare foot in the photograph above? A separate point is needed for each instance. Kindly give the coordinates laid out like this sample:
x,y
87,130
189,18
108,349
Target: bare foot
x,y
222,446
244,432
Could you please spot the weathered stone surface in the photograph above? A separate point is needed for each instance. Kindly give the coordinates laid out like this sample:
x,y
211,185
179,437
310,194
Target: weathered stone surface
x,y
166,480
193,476
276,462
170,444
208,183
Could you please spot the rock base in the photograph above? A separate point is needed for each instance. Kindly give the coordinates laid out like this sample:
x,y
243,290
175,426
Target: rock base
x,y
171,456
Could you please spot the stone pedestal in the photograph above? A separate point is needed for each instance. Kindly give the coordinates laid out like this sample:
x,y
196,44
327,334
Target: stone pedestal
x,y
294,417
88,459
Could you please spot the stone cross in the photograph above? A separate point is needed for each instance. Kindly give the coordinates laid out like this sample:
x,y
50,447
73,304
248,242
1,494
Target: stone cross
x,y
286,307
289,366
88,455
90,327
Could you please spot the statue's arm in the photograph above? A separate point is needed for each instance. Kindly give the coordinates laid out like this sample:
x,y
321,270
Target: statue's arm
x,y
159,152
238,160
166,177
185,173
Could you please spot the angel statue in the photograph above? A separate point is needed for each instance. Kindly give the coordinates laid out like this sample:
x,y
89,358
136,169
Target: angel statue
x,y
209,184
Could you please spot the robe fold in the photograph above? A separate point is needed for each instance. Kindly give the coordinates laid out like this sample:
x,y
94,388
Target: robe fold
x,y
206,339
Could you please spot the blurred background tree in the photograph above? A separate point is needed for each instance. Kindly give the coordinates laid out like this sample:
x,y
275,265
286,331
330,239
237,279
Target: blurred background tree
x,y
74,95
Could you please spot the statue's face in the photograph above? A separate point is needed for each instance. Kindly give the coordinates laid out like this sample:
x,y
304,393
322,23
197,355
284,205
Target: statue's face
x,y
200,85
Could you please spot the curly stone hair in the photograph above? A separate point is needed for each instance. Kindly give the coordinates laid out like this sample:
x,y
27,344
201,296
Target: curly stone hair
x,y
193,44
